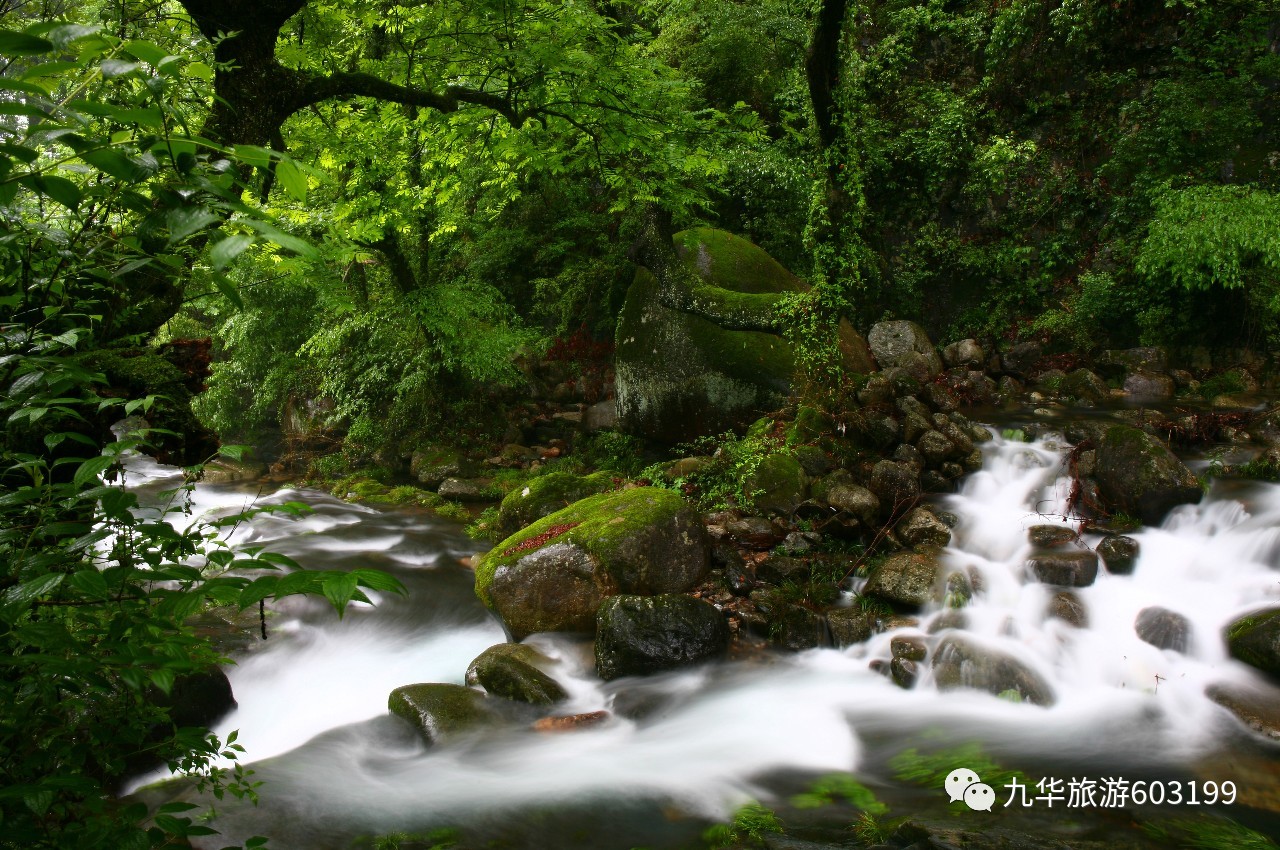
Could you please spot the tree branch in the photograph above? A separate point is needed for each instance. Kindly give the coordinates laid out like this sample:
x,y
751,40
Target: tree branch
x,y
342,86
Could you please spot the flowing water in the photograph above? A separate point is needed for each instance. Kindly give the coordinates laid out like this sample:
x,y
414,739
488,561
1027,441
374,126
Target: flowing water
x,y
312,699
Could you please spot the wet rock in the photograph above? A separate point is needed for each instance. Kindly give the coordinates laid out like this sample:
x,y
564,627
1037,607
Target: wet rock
x,y
1086,385
966,352
1050,536
909,454
546,494
1071,568
813,460
904,344
922,527
904,672
935,448
440,712
201,698
894,484
739,580
907,578
511,671
779,484
467,489
883,431
958,436
547,576
951,470
636,635
941,398
1022,358
1256,706
1255,640
570,722
1011,388
959,662
841,493
1138,475
1118,553
959,591
1151,358
951,619
797,628
1050,380
848,626
914,426
601,416
1149,386
1163,629
1066,606
777,569
910,647
800,542
756,532
933,481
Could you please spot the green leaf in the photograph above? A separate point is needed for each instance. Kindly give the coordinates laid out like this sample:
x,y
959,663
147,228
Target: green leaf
x,y
339,589
185,221
284,240
200,70
146,51
292,179
113,161
61,190
91,469
258,157
63,34
18,107
226,250
91,583
112,68
378,580
260,588
162,679
228,290
20,44
21,594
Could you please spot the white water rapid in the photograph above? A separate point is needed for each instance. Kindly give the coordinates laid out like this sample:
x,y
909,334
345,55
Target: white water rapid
x,y
312,701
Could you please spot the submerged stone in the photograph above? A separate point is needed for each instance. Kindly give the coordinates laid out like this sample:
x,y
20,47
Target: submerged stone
x,y
1255,640
511,670
960,663
440,711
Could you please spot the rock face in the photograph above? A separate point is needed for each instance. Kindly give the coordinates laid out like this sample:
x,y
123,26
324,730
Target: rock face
x,y
510,670
1138,475
440,712
907,578
906,345
680,376
636,635
553,575
1255,640
546,494
1068,568
960,663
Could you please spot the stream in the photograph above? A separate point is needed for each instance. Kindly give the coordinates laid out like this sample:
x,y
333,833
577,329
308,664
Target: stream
x,y
335,766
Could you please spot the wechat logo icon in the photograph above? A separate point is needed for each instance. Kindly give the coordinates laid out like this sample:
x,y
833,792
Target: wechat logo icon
x,y
964,784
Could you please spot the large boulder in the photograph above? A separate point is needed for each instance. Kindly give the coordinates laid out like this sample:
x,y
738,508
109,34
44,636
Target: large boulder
x,y
907,578
960,663
546,494
512,671
432,465
552,575
440,712
1138,475
636,635
1255,640
679,376
896,485
906,345
778,485
1163,629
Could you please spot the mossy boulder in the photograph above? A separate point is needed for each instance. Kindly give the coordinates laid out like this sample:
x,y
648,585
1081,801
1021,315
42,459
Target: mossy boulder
x,y
546,494
433,464
439,711
637,635
552,575
1255,640
1136,474
778,485
907,578
513,671
680,376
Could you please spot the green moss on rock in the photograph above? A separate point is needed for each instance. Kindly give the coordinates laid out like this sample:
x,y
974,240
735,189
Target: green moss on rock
x,y
511,670
547,494
440,711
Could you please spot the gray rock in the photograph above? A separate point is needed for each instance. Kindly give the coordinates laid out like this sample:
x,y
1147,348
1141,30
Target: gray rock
x,y
1151,358
915,425
1256,706
1138,475
1163,629
432,466
935,447
1149,386
1118,553
904,672
1255,640
777,569
1022,358
778,484
910,647
920,526
894,484
512,671
440,712
467,489
756,532
1070,568
1084,384
557,588
1066,606
904,344
849,626
797,628
958,662
601,416
908,454
1049,536
636,635
966,352
907,578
